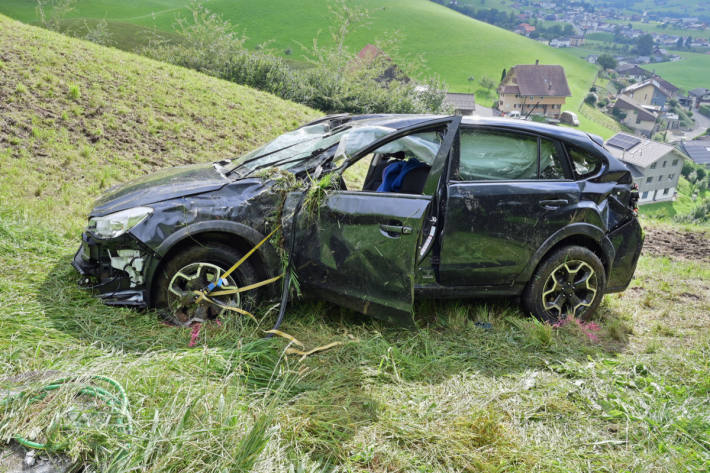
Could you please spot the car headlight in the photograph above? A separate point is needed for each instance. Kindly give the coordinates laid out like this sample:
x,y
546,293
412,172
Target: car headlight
x,y
113,225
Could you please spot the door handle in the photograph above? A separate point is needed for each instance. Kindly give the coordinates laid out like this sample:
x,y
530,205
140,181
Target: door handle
x,y
396,229
554,204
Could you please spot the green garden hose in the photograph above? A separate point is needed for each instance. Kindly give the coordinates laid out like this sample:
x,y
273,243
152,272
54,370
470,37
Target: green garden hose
x,y
118,402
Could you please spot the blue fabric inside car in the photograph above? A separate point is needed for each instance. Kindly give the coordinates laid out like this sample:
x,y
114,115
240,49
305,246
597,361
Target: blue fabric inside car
x,y
394,174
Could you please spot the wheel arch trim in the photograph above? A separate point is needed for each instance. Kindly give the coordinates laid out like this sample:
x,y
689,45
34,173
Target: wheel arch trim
x,y
570,232
266,253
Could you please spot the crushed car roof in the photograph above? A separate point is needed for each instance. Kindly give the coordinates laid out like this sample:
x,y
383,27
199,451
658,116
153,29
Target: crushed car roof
x,y
397,122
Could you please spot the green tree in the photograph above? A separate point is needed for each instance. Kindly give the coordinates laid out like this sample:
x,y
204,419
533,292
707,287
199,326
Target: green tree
x,y
607,61
487,83
644,45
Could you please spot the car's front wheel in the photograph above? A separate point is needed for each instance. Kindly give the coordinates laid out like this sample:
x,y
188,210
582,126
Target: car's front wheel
x,y
569,283
192,270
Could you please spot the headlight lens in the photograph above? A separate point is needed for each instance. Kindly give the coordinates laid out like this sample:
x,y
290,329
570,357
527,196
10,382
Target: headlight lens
x,y
113,225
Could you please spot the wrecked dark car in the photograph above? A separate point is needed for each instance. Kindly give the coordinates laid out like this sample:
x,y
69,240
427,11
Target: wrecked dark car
x,y
375,211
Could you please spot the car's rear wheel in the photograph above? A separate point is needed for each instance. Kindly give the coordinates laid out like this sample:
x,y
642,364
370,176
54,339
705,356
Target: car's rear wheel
x,y
569,283
192,270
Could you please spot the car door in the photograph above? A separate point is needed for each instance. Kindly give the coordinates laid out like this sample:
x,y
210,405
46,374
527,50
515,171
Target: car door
x,y
507,192
358,250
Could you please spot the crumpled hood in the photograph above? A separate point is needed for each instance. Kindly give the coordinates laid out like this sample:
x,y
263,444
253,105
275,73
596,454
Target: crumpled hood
x,y
162,185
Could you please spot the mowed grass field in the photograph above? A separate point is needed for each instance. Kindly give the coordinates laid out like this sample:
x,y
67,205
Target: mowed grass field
x,y
433,38
691,72
477,386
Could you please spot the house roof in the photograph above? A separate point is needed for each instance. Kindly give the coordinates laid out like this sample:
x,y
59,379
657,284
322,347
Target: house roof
x,y
629,69
542,80
699,92
666,85
635,172
526,27
627,103
461,101
698,150
511,89
653,82
643,154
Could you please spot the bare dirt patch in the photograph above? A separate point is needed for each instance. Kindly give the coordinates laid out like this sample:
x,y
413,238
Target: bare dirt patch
x,y
677,244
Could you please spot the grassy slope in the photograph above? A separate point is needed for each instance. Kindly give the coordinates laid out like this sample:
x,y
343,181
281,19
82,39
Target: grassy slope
x,y
684,203
452,45
449,396
689,73
77,118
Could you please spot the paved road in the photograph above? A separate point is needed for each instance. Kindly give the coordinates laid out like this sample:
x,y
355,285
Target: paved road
x,y
702,123
482,111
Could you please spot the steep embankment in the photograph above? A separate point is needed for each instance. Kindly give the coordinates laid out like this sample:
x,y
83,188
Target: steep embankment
x,y
76,118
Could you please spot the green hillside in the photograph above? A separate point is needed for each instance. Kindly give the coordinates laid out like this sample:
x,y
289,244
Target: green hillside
x,y
451,45
76,118
691,72
478,386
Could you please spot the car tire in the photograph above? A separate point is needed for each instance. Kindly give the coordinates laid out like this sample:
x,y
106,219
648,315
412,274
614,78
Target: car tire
x,y
569,282
192,269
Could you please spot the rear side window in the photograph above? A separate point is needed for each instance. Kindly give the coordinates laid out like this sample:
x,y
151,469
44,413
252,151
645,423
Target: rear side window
x,y
499,155
584,164
551,160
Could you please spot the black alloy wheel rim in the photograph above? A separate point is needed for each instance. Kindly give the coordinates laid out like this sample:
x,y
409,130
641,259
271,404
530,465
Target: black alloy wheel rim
x,y
570,290
186,306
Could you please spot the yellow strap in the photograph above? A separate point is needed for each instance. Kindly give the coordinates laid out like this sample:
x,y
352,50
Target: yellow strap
x,y
304,354
285,335
249,253
234,290
227,307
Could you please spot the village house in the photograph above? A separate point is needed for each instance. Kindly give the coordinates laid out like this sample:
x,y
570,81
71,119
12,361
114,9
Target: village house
x,y
559,43
632,71
636,117
699,96
650,92
463,104
576,41
655,167
524,29
534,89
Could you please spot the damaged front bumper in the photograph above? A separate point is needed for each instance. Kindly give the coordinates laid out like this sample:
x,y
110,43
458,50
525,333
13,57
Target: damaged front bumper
x,y
115,270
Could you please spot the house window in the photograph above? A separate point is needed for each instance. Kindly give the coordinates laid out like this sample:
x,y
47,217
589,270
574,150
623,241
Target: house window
x,y
653,166
644,195
665,191
649,179
660,178
664,164
675,161
671,176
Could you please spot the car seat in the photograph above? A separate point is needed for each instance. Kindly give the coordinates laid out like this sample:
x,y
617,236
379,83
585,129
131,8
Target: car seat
x,y
404,177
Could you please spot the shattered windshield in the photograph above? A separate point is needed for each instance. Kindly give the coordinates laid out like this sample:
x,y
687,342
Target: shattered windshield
x,y
294,149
